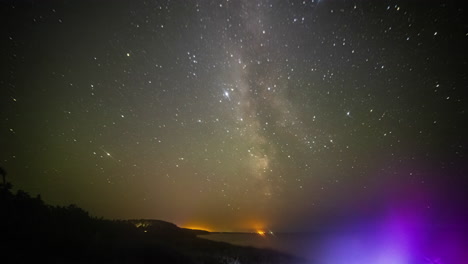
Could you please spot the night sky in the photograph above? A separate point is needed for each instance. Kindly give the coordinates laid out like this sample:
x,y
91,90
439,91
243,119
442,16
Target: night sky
x,y
236,115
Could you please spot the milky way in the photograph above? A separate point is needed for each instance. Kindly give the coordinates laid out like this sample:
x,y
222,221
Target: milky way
x,y
235,115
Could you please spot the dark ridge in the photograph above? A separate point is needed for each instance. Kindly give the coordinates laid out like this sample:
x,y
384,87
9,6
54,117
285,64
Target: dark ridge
x,y
32,231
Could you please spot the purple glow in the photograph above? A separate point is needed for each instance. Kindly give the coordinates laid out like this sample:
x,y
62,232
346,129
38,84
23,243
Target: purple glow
x,y
366,248
399,238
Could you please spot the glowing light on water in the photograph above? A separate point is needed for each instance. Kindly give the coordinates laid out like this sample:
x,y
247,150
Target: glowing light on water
x,y
358,249
400,238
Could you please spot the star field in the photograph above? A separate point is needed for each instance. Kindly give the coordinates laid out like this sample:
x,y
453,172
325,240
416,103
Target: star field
x,y
234,114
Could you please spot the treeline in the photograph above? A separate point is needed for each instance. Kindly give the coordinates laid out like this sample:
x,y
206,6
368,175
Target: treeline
x,y
32,231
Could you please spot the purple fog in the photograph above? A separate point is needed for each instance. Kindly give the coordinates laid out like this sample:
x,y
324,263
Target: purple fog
x,y
402,234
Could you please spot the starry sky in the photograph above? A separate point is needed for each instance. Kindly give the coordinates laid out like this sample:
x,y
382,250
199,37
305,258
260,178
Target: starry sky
x,y
234,115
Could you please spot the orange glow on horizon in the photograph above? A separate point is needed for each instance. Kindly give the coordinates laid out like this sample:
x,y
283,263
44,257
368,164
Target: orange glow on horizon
x,y
250,226
198,228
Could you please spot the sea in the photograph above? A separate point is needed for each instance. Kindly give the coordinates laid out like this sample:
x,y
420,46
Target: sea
x,y
428,247
297,244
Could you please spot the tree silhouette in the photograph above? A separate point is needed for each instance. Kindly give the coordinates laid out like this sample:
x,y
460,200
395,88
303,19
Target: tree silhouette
x,y
3,173
5,185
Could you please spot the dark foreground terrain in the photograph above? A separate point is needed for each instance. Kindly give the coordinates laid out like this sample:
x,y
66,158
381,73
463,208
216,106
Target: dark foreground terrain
x,y
33,232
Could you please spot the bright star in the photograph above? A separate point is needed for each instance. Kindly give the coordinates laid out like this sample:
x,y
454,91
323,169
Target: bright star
x,y
227,95
106,153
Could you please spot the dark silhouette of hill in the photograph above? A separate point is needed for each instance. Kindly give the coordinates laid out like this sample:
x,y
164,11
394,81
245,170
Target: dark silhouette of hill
x,y
32,232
